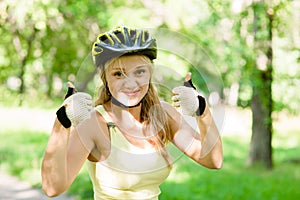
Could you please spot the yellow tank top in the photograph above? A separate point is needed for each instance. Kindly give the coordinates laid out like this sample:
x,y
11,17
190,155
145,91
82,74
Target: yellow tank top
x,y
129,172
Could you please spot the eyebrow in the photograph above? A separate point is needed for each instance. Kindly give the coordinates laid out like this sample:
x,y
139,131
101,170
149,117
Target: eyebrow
x,y
123,69
119,68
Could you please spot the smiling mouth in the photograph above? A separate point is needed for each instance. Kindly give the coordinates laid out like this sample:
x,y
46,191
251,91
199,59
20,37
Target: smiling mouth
x,y
131,93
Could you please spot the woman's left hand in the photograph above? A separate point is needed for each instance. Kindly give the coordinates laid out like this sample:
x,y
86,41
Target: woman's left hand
x,y
186,97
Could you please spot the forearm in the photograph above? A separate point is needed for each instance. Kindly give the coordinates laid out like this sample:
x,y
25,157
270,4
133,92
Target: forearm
x,y
211,154
54,165
206,148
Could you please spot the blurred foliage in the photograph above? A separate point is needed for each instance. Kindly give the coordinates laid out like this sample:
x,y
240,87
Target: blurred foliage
x,y
45,43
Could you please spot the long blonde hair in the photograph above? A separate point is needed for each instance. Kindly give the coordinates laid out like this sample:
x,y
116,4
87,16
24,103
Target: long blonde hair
x,y
152,114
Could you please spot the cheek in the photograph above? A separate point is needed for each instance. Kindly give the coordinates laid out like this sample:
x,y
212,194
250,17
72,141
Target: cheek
x,y
144,81
145,88
114,86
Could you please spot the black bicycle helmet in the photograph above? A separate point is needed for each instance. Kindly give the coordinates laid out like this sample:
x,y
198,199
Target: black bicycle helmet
x,y
121,41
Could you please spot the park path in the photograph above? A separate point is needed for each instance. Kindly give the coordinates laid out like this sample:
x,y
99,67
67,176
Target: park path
x,y
12,188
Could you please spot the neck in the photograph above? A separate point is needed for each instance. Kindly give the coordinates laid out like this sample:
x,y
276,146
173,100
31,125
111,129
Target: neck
x,y
122,114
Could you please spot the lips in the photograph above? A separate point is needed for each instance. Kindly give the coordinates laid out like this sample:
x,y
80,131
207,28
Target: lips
x,y
131,93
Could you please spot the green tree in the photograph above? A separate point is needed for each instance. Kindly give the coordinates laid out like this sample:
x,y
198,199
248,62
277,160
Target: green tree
x,y
259,28
262,79
239,36
45,42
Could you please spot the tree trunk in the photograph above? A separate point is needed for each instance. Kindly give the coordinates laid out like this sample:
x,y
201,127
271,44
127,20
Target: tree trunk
x,y
24,59
261,102
260,146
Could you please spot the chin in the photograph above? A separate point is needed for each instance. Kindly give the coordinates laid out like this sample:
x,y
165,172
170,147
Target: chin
x,y
131,103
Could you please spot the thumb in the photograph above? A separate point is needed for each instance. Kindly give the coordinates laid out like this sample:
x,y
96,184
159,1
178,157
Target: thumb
x,y
70,85
188,80
188,77
71,90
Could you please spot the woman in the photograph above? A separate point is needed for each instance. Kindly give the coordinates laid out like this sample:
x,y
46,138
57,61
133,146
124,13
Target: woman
x,y
124,137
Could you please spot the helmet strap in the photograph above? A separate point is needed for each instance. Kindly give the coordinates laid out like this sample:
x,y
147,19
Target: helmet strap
x,y
118,103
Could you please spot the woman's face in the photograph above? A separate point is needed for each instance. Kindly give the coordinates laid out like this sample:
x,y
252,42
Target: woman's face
x,y
128,78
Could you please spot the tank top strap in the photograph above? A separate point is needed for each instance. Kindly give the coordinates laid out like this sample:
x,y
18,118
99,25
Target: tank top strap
x,y
106,116
117,138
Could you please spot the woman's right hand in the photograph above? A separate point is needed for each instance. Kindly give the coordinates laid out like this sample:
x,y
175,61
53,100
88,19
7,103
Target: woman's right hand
x,y
76,108
66,152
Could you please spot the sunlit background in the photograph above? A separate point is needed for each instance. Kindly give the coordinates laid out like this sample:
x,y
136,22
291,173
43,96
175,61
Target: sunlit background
x,y
244,56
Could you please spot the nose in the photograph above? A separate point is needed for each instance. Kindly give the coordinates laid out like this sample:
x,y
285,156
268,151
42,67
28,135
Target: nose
x,y
130,83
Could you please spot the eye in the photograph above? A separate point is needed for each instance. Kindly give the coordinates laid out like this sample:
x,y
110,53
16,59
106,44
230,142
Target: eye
x,y
118,74
140,72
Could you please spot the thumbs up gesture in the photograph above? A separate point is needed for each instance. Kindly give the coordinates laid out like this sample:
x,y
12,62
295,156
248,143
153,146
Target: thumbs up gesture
x,y
188,99
76,107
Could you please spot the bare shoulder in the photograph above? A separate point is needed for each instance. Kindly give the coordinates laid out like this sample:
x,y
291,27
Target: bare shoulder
x,y
100,129
95,134
170,110
93,126
166,106
174,117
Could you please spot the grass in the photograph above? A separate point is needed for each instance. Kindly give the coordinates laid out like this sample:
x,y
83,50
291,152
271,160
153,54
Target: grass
x,y
21,153
235,180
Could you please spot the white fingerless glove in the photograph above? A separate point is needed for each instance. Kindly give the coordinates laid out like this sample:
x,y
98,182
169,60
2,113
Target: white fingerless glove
x,y
78,107
186,99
